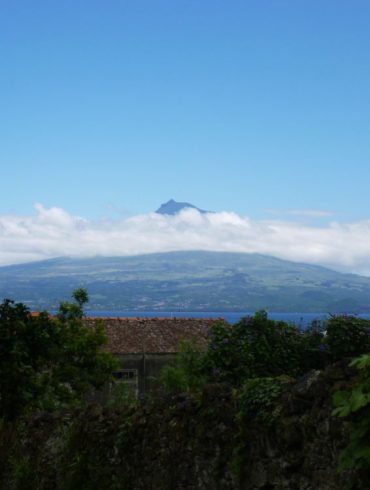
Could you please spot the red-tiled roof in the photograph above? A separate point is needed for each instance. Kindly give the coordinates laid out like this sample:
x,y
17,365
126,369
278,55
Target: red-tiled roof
x,y
152,335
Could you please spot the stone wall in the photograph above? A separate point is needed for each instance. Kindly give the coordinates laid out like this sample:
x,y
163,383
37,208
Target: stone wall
x,y
187,443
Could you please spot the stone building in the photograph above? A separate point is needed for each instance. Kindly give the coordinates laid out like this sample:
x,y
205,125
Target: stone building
x,y
144,345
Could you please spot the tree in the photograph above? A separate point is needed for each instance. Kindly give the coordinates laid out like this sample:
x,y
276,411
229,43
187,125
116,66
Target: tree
x,y
72,311
257,346
49,362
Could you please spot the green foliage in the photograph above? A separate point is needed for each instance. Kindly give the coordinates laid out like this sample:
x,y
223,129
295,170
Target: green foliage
x,y
121,394
73,311
186,372
254,347
46,362
25,342
22,474
355,403
81,296
347,336
313,350
258,399
228,358
259,347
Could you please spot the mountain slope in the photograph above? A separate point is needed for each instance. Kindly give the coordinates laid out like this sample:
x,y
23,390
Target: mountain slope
x,y
193,281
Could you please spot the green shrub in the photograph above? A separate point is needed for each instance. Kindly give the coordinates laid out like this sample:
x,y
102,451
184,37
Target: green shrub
x,y
258,404
346,336
22,475
187,371
228,358
46,362
121,394
313,350
259,347
355,403
258,399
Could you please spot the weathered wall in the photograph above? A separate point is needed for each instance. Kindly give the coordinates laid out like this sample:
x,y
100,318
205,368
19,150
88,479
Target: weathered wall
x,y
187,443
148,367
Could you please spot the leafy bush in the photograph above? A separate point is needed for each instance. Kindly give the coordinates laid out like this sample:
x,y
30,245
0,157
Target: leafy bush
x,y
228,358
313,350
346,336
187,371
258,399
22,474
258,402
121,394
259,347
356,403
48,362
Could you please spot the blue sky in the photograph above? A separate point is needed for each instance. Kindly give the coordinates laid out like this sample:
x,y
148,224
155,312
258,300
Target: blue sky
x,y
109,108
116,106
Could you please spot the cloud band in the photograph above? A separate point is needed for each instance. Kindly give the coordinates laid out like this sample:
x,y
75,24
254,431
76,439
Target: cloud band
x,y
52,232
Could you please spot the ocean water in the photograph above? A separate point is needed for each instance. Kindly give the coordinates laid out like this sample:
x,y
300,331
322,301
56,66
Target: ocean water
x,y
302,320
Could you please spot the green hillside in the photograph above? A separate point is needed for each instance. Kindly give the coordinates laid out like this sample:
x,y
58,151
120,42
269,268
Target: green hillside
x,y
193,281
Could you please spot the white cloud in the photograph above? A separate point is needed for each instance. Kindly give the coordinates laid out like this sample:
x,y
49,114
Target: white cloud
x,y
52,232
303,213
310,213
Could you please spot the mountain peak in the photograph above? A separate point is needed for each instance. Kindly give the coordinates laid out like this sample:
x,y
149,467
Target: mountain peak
x,y
173,207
